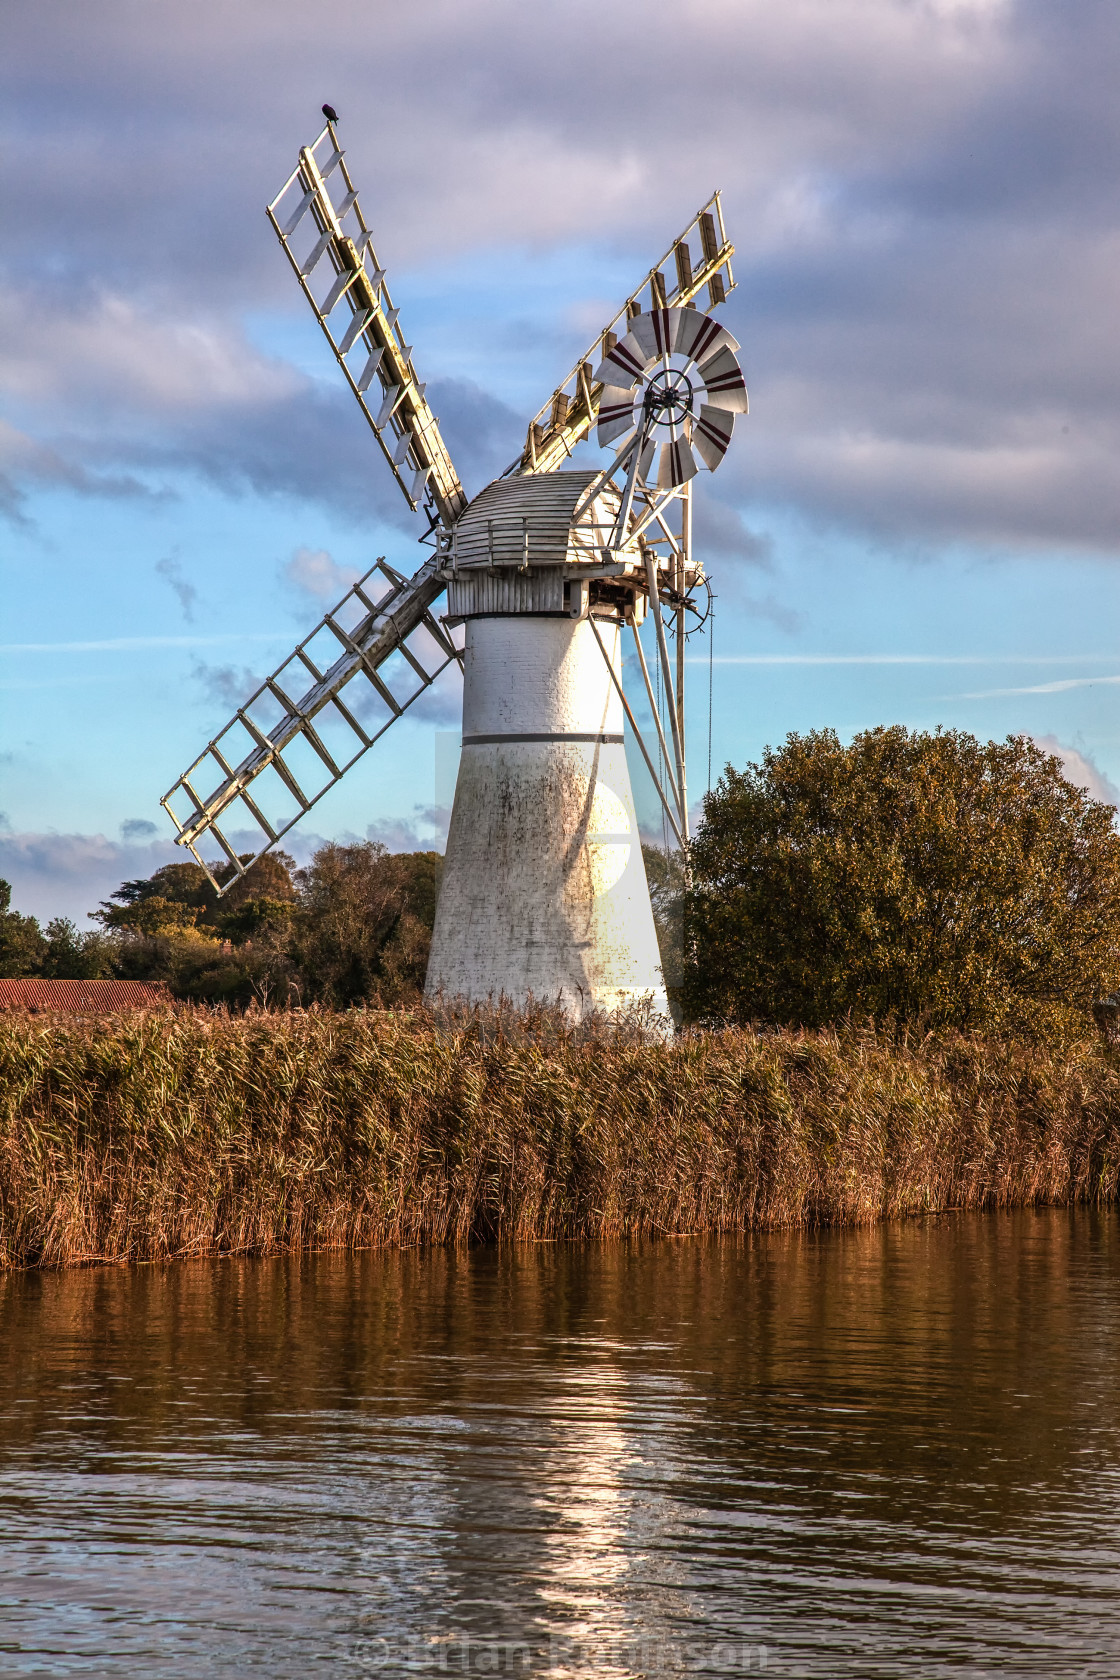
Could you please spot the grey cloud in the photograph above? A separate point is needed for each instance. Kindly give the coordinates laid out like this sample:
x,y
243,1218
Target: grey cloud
x,y
722,531
772,610
69,874
506,111
313,446
950,385
299,843
482,434
108,407
722,535
228,686
126,356
924,196
170,569
1042,140
233,419
442,704
137,828
55,874
425,831
310,446
27,463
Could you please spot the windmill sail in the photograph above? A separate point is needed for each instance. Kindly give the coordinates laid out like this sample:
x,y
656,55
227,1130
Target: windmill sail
x,y
374,654
573,408
296,736
637,365
319,222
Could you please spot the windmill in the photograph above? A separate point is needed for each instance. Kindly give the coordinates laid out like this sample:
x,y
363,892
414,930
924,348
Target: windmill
x,y
544,891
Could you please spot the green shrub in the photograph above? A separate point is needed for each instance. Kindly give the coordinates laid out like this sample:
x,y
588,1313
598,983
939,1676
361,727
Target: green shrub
x,y
908,876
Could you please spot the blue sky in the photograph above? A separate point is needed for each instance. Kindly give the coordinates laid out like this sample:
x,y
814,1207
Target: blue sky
x,y
917,523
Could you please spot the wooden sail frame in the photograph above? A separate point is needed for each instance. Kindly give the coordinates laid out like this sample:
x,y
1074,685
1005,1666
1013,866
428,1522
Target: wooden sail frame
x,y
571,411
390,637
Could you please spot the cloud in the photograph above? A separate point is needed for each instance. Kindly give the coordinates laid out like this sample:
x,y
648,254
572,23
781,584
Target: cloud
x,y
483,435
69,874
170,569
442,703
923,195
540,123
55,874
1062,686
721,534
425,831
226,685
767,607
721,530
139,644
313,571
1078,768
27,464
127,354
101,425
927,659
309,445
137,828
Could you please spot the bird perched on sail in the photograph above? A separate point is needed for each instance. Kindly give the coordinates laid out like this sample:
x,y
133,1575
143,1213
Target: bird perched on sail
x,y
330,113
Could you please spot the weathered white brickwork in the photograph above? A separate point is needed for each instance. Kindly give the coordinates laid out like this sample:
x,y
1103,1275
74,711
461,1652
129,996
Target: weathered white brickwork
x,y
544,890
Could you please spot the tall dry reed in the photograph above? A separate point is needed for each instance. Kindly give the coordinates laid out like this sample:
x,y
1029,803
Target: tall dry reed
x,y
185,1132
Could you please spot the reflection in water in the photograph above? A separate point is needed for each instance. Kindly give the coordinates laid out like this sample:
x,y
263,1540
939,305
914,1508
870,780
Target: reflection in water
x,y
888,1452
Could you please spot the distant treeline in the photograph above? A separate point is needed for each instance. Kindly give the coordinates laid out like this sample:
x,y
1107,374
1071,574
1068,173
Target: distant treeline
x,y
354,926
190,1132
927,879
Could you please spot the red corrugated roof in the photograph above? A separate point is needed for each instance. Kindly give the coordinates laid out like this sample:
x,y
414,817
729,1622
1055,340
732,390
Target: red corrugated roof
x,y
80,997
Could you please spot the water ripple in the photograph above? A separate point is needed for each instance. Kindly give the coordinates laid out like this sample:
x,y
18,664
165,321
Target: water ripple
x,y
891,1452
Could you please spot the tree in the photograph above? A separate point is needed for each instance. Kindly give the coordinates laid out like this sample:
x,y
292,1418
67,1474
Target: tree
x,y
173,927
363,926
180,896
907,876
665,876
355,926
71,955
252,898
61,953
21,940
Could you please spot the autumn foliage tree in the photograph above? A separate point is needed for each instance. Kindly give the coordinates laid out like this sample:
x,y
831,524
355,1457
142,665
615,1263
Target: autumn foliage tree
x,y
363,928
908,876
58,952
352,927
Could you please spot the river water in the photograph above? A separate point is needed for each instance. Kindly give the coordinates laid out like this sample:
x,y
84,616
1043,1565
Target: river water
x,y
873,1452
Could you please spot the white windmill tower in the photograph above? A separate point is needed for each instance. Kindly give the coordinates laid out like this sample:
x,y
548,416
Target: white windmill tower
x,y
544,891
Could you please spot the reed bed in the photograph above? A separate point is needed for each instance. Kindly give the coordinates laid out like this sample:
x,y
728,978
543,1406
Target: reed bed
x,y
184,1132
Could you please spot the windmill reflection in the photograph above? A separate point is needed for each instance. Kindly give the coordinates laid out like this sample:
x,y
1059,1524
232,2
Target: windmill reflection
x,y
857,1448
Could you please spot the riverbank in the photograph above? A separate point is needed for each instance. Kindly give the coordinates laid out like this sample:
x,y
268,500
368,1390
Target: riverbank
x,y
181,1132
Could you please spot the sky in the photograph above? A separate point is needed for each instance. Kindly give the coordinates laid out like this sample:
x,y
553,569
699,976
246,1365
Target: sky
x,y
918,523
